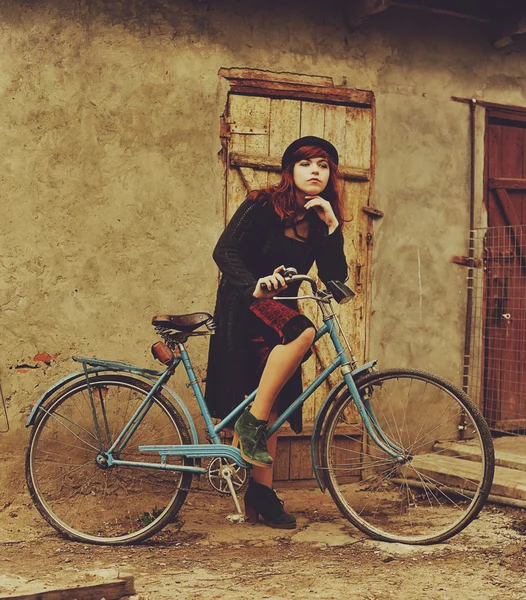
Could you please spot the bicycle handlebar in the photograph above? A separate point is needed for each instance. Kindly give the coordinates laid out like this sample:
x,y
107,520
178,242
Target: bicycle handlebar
x,y
335,289
300,278
290,275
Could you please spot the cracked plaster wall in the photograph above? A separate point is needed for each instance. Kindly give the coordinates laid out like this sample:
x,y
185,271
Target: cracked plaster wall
x,y
111,187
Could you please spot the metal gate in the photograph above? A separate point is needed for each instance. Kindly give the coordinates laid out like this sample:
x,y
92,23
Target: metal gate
x,y
496,363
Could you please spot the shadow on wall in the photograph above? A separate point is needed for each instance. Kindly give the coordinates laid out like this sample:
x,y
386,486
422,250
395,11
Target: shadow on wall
x,y
207,18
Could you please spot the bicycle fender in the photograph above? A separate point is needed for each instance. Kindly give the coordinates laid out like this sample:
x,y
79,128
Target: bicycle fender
x,y
48,393
321,418
69,378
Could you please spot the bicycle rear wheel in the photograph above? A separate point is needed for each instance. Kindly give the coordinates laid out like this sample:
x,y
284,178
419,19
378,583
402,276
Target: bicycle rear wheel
x,y
446,476
76,492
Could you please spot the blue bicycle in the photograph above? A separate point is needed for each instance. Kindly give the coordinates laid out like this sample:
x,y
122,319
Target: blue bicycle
x,y
406,455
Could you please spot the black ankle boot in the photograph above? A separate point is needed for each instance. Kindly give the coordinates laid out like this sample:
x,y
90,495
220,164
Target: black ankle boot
x,y
262,501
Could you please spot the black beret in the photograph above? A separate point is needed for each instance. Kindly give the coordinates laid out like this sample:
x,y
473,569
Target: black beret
x,y
309,140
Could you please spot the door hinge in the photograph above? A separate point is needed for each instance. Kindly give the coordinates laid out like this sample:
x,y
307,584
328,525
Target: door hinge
x,y
225,128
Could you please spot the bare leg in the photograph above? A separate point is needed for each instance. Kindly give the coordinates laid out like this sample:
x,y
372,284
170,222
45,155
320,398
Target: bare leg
x,y
281,364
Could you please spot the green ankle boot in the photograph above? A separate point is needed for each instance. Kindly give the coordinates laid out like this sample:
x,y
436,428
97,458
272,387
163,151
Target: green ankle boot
x,y
250,436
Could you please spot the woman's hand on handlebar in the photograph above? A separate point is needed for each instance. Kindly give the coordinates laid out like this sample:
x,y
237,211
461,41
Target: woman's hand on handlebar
x,y
267,287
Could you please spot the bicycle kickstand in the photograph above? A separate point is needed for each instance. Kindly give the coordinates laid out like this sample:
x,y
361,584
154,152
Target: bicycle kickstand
x,y
227,476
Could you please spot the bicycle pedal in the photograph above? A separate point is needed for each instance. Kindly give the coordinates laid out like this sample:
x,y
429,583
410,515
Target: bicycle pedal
x,y
236,518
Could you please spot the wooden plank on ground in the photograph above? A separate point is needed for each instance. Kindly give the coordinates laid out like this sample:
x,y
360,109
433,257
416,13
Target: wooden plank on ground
x,y
511,460
112,590
465,474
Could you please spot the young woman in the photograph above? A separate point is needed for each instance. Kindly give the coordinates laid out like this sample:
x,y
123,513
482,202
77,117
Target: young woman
x,y
261,342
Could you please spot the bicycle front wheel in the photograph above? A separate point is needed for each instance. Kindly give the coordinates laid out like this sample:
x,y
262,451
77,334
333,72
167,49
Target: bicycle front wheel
x,y
72,485
443,474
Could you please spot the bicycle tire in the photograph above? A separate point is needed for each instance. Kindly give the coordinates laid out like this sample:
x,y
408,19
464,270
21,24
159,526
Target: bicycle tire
x,y
444,485
85,501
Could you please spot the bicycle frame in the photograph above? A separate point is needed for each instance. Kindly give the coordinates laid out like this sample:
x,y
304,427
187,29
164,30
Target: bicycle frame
x,y
216,448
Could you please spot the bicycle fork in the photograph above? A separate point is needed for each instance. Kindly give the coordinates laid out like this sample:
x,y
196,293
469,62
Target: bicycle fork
x,y
363,406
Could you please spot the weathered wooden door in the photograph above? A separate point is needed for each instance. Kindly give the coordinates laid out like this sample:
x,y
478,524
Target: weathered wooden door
x,y
260,122
505,275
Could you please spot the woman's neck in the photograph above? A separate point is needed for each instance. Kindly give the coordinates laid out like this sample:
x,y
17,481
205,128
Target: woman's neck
x,y
300,202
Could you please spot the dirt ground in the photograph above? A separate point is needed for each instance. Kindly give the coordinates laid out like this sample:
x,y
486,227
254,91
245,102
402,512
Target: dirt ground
x,y
204,556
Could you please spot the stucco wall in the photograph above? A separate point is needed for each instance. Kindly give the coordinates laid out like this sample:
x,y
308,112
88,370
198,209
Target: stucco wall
x,y
112,188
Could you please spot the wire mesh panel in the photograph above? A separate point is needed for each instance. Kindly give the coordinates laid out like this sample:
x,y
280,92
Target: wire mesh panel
x,y
496,363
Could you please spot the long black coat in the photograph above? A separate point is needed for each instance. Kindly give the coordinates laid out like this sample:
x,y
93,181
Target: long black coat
x,y
238,256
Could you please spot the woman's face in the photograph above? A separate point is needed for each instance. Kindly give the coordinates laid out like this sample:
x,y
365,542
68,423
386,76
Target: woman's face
x,y
311,175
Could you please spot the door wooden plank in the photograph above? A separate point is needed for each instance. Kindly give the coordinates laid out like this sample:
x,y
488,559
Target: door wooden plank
x,y
300,459
354,313
494,143
511,152
508,210
285,116
249,120
241,74
258,116
312,119
282,464
236,108
512,161
358,137
272,164
335,122
279,91
236,190
507,183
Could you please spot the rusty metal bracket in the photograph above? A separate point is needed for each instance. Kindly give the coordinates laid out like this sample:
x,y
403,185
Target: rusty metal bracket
x,y
245,130
466,261
5,411
372,212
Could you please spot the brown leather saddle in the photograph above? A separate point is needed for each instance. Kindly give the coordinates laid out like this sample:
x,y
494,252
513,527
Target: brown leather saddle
x,y
185,323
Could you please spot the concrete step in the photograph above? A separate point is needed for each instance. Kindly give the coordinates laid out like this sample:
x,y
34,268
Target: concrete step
x,y
509,454
461,473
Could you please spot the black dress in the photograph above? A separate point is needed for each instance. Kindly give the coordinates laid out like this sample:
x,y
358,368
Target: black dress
x,y
252,246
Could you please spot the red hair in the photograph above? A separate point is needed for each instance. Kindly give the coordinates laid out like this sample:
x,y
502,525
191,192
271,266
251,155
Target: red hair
x,y
282,196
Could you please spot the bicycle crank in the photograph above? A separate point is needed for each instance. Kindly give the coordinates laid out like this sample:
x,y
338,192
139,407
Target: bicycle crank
x,y
216,478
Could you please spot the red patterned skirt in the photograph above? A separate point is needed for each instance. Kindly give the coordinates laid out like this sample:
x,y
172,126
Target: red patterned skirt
x,y
270,324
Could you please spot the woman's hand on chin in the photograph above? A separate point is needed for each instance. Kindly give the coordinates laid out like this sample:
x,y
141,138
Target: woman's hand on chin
x,y
324,211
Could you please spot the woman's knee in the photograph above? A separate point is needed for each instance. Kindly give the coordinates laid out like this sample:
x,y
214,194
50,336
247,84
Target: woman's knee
x,y
307,336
